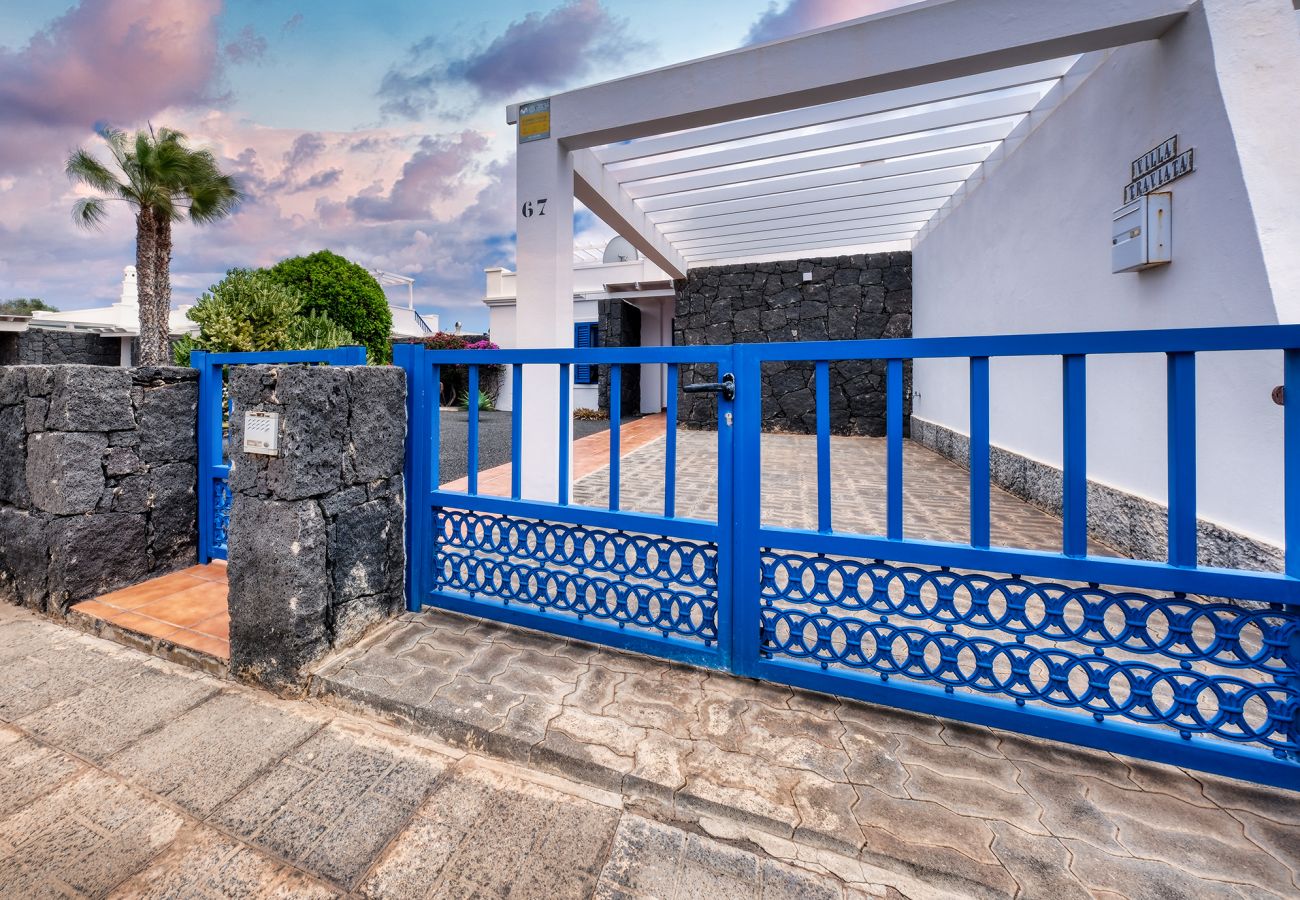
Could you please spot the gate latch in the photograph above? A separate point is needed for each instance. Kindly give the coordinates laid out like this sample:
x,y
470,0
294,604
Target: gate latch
x,y
726,387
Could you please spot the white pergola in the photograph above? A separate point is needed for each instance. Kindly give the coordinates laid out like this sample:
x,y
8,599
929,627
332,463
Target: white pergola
x,y
841,140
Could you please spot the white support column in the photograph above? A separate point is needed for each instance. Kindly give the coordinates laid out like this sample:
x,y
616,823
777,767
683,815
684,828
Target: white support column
x,y
544,309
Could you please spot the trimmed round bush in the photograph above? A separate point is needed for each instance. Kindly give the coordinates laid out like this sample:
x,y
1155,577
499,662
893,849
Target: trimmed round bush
x,y
345,292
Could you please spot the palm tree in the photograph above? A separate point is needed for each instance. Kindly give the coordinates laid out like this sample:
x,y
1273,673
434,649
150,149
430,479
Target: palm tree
x,y
165,181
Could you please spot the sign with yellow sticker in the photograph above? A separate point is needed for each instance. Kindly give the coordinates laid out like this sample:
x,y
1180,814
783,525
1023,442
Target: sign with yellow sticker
x,y
534,121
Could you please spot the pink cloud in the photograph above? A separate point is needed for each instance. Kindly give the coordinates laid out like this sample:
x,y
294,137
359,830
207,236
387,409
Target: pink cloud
x,y
805,15
433,172
116,61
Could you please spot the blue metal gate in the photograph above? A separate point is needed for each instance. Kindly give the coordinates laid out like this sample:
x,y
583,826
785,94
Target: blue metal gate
x,y
1119,654
214,464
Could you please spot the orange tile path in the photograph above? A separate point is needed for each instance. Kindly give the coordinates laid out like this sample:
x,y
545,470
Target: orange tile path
x,y
188,608
590,454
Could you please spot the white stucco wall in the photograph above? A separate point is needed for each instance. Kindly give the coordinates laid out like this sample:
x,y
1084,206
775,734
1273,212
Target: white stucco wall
x,y
501,322
1029,251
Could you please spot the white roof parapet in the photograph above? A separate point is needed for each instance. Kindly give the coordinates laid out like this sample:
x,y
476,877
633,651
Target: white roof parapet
x,y
927,42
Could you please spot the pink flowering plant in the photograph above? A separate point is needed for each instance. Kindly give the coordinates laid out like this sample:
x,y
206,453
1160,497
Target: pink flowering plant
x,y
455,379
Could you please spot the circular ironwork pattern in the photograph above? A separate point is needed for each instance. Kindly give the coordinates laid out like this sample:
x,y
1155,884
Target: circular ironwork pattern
x,y
1176,627
1189,701
557,543
639,581
851,627
221,500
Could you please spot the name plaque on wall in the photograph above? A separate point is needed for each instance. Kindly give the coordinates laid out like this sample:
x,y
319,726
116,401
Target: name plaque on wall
x,y
1157,168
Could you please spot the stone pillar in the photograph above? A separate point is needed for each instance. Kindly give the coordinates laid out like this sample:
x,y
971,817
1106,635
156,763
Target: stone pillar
x,y
620,326
316,545
97,479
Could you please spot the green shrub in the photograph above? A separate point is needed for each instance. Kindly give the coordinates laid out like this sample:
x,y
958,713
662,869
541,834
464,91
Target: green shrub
x,y
248,311
316,331
345,292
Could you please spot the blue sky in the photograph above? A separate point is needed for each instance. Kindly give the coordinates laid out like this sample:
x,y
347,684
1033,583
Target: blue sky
x,y
376,129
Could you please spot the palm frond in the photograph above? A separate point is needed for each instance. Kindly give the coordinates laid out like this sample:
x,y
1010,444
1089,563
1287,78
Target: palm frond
x,y
117,143
89,212
84,168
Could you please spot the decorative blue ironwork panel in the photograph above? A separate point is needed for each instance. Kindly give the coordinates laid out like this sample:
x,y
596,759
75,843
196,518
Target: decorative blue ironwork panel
x,y
658,584
1196,666
221,500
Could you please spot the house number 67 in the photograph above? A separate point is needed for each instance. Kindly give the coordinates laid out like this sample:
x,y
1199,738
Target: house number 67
x,y
531,206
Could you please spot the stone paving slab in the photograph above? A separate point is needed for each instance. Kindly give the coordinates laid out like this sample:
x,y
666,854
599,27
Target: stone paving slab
x,y
244,795
958,807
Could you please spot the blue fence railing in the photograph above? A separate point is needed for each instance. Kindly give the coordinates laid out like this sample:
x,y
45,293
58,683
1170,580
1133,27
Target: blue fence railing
x,y
1170,660
214,464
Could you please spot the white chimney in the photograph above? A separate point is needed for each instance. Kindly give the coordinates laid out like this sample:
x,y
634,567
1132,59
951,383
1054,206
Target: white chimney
x,y
129,295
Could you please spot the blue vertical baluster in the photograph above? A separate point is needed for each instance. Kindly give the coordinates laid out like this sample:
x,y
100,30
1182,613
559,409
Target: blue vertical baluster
x,y
615,426
472,452
566,424
979,451
747,487
1182,458
199,360
894,432
823,411
433,421
670,445
516,431
1291,459
1074,455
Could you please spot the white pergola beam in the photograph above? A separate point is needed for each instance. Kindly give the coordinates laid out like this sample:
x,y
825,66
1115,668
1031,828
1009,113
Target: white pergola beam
x,y
848,175
773,223
948,139
834,112
923,43
801,247
596,189
829,234
881,204
840,135
913,186
1083,67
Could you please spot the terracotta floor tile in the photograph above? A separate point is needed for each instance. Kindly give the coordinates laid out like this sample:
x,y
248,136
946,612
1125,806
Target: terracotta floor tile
x,y
217,627
133,621
203,643
148,591
96,609
213,571
187,608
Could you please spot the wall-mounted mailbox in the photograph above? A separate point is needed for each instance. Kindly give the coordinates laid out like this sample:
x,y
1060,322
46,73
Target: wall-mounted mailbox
x,y
1142,236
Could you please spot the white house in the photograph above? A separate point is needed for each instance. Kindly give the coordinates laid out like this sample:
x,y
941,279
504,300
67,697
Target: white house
x,y
615,273
120,321
999,140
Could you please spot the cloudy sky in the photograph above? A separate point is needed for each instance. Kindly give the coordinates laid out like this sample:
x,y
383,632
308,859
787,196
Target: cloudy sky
x,y
376,129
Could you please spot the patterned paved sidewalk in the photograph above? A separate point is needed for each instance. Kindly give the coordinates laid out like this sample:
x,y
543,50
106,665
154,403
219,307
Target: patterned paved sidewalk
x,y
128,777
889,797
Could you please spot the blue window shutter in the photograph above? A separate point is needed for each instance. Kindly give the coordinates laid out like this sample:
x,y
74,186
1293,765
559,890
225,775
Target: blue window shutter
x,y
584,336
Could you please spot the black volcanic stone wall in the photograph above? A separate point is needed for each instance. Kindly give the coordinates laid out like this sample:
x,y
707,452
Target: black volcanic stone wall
x,y
97,479
316,543
619,325
860,297
42,346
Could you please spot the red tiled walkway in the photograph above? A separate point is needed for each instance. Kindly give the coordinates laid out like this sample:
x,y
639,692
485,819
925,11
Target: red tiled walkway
x,y
590,454
188,608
